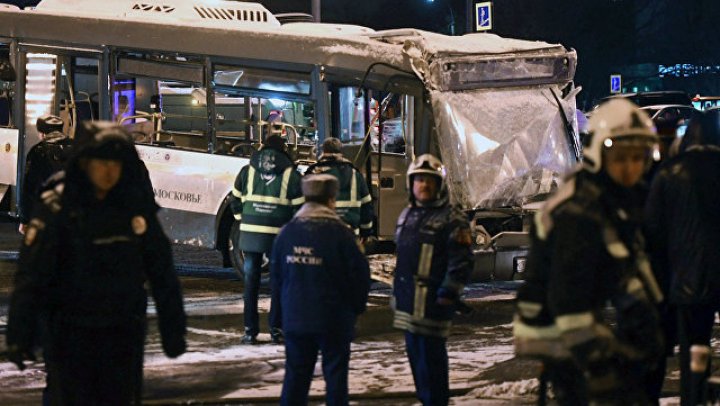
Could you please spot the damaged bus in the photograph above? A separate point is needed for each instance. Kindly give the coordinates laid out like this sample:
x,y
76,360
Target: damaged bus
x,y
199,83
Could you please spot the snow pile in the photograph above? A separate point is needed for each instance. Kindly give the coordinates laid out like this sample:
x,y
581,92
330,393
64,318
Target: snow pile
x,y
506,390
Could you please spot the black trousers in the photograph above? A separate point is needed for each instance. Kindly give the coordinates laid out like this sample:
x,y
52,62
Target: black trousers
x,y
429,362
695,323
301,351
96,366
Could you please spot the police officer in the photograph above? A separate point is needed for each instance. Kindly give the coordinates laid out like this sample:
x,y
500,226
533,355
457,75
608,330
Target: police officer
x,y
266,195
354,203
44,159
587,250
322,279
433,263
92,243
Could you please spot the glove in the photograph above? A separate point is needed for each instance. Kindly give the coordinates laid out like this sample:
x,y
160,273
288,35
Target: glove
x,y
174,346
18,355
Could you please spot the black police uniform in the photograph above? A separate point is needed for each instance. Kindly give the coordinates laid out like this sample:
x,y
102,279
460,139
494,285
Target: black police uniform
x,y
433,261
82,269
322,279
587,250
43,160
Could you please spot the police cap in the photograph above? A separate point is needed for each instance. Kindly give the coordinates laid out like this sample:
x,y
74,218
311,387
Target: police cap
x,y
319,187
49,123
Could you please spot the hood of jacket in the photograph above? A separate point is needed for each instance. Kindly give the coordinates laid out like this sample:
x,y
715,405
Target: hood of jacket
x,y
270,161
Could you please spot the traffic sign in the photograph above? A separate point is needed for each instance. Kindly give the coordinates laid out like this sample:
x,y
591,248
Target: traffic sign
x,y
483,16
615,83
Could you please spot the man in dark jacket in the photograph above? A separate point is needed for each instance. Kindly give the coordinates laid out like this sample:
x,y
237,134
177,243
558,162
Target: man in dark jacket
x,y
87,252
266,195
683,226
433,263
44,159
354,203
587,250
322,279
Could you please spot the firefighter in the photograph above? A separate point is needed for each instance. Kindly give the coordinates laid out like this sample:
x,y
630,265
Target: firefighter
x,y
354,203
587,250
91,244
433,263
266,195
321,279
43,160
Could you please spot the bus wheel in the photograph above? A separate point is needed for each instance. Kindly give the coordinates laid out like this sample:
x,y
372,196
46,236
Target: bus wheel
x,y
238,260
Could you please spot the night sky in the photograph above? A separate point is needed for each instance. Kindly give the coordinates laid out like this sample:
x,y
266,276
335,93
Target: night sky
x,y
607,34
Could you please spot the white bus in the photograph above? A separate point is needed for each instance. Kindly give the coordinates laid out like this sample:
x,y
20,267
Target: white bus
x,y
196,82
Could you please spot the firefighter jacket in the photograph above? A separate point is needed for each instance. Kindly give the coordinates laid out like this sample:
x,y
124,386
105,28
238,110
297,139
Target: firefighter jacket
x,y
353,202
85,262
683,226
320,277
587,250
266,195
433,260
44,159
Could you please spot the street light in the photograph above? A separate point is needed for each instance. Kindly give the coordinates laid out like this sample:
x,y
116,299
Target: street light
x,y
452,17
316,10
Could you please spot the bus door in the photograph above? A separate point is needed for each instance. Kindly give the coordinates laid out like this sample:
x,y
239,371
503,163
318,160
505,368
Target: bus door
x,y
61,81
8,131
376,130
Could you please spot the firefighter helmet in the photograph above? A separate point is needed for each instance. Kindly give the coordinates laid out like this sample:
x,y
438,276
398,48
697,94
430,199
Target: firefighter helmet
x,y
426,164
617,122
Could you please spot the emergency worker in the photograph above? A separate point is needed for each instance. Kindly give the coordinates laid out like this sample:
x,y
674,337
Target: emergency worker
x,y
433,264
587,250
266,195
353,202
321,279
44,159
93,241
683,230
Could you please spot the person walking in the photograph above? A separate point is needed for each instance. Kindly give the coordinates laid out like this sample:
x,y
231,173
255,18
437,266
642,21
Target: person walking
x,y
353,203
90,246
266,195
683,229
433,264
43,160
321,280
587,251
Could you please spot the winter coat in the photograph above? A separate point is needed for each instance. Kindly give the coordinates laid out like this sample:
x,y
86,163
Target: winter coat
x,y
266,195
353,202
433,261
587,250
43,160
84,263
683,223
319,275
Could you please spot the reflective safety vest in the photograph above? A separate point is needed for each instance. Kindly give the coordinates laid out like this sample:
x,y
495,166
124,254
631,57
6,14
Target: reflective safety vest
x,y
264,202
353,202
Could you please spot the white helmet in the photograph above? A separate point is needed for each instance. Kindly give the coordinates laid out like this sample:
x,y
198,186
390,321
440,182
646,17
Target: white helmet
x,y
617,122
426,164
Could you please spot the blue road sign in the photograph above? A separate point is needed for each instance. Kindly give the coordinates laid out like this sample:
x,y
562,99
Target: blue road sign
x,y
615,83
483,16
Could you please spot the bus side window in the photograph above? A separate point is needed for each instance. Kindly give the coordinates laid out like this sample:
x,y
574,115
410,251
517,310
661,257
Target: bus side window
x,y
253,103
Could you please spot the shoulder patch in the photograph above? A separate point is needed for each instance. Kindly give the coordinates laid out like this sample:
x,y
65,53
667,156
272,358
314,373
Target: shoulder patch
x,y
462,236
139,225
